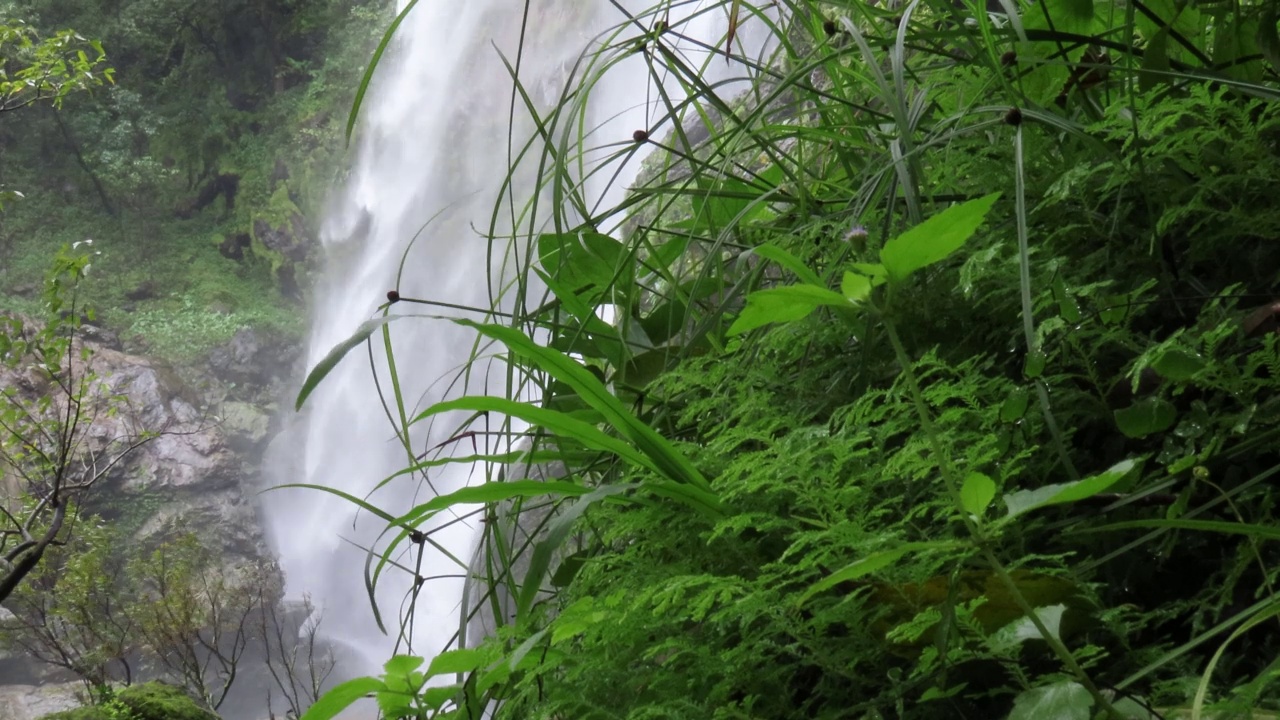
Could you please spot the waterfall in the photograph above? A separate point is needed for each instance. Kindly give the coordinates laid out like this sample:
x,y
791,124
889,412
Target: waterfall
x,y
433,147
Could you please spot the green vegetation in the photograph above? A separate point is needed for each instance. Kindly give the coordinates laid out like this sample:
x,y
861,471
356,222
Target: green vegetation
x,y
941,381
217,112
149,701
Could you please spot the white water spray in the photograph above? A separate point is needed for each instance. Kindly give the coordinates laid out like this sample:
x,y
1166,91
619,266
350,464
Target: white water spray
x,y
434,146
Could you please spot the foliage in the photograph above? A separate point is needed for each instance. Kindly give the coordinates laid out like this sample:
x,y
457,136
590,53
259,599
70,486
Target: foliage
x,y
106,609
51,454
148,701
35,69
246,90
961,325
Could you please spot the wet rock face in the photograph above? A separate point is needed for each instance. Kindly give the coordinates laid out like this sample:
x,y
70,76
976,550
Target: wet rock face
x,y
30,702
253,360
191,470
189,477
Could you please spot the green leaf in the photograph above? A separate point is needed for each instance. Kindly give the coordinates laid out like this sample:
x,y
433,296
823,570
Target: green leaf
x,y
870,564
1178,364
855,287
669,461
783,304
1155,61
1023,629
435,697
492,492
790,262
1015,406
1146,417
1066,700
582,258
463,660
559,530
1264,532
1058,494
402,665
339,351
373,65
934,239
977,493
341,697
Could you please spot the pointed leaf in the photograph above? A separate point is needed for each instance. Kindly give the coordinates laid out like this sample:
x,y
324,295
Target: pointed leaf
x,y
870,564
856,287
783,304
1146,417
339,351
788,261
453,662
1066,700
341,697
934,239
1027,500
977,493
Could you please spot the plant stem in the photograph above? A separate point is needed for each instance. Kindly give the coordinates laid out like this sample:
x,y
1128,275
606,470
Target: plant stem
x,y
976,531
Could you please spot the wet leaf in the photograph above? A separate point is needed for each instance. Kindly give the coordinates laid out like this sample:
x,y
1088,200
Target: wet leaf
x,y
1146,417
1066,700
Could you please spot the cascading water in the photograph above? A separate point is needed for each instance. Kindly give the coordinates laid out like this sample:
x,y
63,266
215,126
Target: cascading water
x,y
434,146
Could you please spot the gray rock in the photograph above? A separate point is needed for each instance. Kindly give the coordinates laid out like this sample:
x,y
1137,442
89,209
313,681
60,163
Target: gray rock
x,y
29,702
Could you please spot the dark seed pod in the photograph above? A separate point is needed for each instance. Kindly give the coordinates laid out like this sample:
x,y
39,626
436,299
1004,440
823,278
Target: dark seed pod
x,y
393,296
1009,58
829,27
640,136
1013,117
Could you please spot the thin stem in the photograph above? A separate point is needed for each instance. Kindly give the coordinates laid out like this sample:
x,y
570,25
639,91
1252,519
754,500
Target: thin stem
x,y
949,477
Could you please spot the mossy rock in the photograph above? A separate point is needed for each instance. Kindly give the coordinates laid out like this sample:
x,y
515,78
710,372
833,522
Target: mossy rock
x,y
279,236
149,701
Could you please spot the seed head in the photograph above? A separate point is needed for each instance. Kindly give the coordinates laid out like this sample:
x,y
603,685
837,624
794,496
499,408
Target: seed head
x,y
640,136
393,296
1013,117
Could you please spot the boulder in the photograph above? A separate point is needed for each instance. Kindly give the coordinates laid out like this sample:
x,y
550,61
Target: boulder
x,y
32,702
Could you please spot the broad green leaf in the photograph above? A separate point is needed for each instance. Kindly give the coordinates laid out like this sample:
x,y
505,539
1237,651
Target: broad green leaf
x,y
790,262
934,239
1023,629
402,665
1026,500
1066,700
1146,417
977,493
870,564
855,287
436,697
452,662
339,351
341,697
582,258
783,304
1178,364
875,271
1155,61
1015,406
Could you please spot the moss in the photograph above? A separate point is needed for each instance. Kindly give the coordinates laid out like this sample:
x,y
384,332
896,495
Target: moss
x,y
278,213
149,701
158,701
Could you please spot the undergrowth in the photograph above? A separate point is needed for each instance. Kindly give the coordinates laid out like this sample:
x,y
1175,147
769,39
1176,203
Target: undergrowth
x,y
939,382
